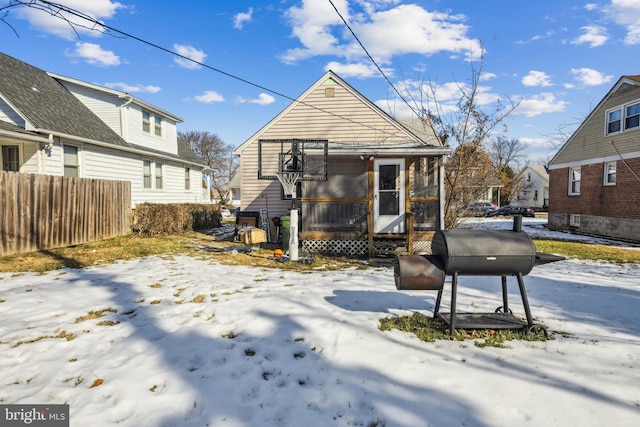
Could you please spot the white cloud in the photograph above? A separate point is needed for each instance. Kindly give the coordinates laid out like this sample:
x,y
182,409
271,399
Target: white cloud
x,y
59,25
263,99
360,70
93,54
627,14
594,36
209,97
536,79
241,18
590,77
133,89
191,53
487,76
404,29
540,104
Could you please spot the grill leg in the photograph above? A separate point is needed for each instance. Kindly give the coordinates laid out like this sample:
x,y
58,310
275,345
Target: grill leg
x,y
436,310
505,297
525,300
452,315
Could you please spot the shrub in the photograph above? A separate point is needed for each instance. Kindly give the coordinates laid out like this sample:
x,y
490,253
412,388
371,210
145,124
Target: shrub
x,y
153,219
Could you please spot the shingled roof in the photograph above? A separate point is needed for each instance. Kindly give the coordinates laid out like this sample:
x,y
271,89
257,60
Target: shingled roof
x,y
48,106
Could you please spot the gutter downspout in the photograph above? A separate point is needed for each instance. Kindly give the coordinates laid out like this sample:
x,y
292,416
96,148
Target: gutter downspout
x,y
123,116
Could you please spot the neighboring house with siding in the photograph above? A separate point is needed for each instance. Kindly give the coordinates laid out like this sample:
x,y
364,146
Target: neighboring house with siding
x,y
55,125
383,187
594,182
534,188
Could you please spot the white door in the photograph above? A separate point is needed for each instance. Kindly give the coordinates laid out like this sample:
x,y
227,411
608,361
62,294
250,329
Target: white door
x,y
388,196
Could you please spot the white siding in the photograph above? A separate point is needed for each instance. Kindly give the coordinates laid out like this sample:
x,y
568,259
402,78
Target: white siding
x,y
168,142
7,114
110,164
103,104
30,155
126,121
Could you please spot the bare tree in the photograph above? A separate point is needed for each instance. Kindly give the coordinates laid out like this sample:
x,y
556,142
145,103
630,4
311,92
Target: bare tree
x,y
465,127
508,157
216,154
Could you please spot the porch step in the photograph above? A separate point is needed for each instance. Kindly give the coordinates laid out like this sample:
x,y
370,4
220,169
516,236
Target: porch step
x,y
389,246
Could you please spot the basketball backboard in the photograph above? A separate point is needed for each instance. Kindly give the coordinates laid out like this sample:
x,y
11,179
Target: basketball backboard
x,y
306,157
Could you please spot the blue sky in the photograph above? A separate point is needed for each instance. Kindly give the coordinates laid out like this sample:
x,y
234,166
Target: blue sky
x,y
557,58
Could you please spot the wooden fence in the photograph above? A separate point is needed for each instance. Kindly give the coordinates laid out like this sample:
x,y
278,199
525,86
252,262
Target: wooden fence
x,y
39,212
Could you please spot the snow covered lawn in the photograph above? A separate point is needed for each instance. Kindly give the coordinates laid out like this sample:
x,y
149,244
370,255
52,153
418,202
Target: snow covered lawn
x,y
178,341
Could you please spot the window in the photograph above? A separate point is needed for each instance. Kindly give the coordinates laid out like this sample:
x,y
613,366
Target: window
x,y
157,125
70,160
158,175
535,195
149,121
574,181
529,177
10,158
613,121
610,173
632,116
146,173
187,179
146,121
574,220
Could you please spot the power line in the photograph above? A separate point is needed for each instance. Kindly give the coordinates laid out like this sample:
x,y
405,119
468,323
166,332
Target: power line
x,y
371,58
55,8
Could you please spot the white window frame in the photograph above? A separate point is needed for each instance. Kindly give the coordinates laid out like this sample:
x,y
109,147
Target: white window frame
x,y
574,220
610,173
623,118
159,175
146,121
157,125
635,116
152,123
187,178
147,174
75,165
608,121
575,177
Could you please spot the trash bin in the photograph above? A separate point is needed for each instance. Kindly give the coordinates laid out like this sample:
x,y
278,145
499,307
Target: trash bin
x,y
286,225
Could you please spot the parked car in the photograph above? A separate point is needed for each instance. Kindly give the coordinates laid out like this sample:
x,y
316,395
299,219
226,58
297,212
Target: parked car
x,y
512,210
480,208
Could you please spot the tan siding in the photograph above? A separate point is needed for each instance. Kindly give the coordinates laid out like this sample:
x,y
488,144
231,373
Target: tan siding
x,y
340,118
345,117
590,141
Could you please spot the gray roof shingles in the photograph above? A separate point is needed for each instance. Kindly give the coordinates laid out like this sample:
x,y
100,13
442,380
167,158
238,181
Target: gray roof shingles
x,y
49,106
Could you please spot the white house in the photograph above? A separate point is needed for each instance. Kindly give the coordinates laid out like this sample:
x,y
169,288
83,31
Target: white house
x,y
534,191
55,125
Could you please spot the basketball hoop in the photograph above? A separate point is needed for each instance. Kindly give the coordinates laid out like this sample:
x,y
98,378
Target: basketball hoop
x,y
289,181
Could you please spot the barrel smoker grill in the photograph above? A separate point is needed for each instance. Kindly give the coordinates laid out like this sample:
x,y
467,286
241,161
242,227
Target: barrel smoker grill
x,y
474,253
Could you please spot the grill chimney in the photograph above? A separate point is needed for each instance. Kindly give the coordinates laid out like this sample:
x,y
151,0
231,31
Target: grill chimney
x,y
517,223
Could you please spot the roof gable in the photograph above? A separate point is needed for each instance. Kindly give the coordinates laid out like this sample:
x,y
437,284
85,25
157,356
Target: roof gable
x,y
47,106
539,170
624,83
332,109
117,93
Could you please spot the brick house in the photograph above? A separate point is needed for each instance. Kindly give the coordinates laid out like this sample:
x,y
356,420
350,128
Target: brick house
x,y
594,181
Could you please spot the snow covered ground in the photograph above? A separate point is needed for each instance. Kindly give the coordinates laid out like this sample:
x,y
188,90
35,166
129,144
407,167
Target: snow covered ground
x,y
188,342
